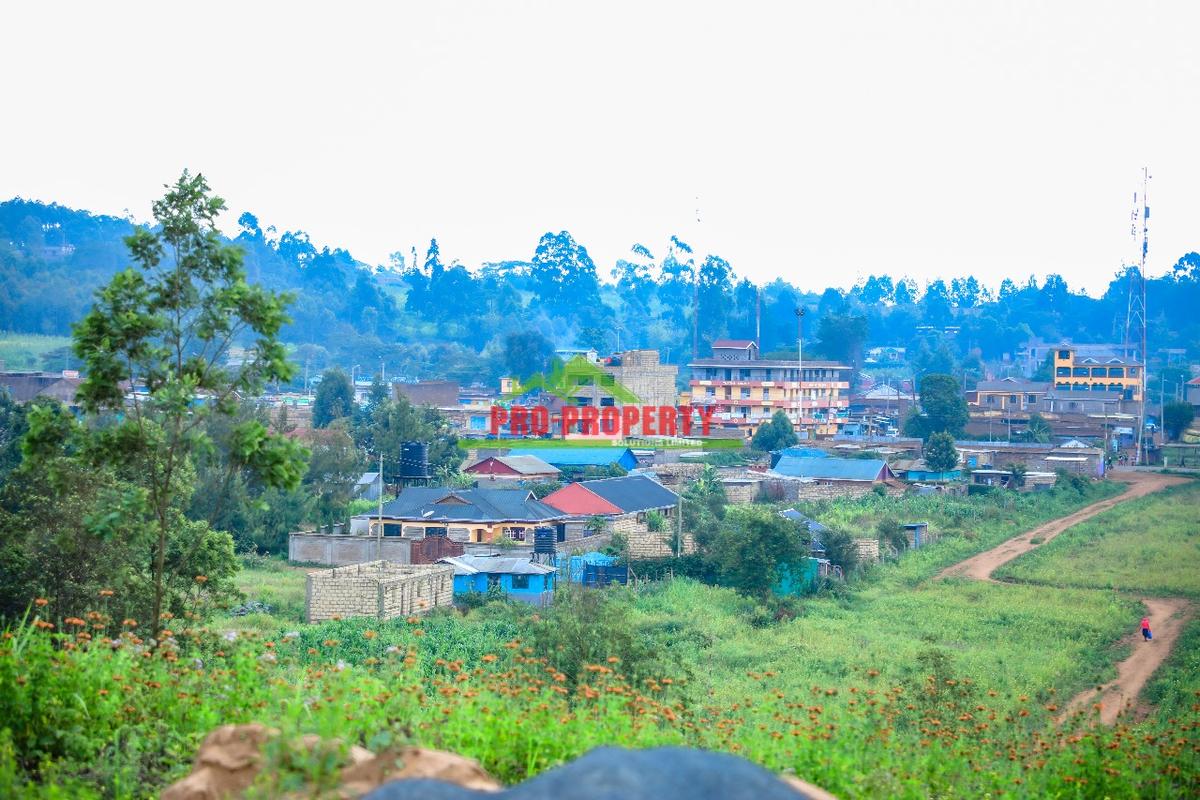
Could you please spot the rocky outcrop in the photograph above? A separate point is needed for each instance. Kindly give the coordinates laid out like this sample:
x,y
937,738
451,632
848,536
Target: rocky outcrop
x,y
231,758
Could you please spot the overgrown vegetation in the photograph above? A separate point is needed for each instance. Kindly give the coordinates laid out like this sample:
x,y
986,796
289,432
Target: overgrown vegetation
x,y
1150,545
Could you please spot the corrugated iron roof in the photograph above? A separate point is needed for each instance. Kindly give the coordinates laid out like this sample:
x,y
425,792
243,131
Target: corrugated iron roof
x,y
834,469
441,504
577,456
633,493
495,565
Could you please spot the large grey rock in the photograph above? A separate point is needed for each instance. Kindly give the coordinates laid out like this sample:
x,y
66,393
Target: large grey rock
x,y
609,773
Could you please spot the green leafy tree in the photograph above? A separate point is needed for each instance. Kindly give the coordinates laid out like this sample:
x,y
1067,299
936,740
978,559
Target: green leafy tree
x,y
943,408
939,452
527,353
165,329
12,428
1037,429
840,549
1019,471
753,546
333,469
395,422
1176,419
842,336
334,400
774,435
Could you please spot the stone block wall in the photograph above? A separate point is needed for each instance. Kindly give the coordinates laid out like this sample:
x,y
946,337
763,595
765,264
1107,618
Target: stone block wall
x,y
339,550
380,589
741,491
868,549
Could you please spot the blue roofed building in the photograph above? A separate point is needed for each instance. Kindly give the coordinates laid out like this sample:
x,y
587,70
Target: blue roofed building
x,y
581,457
516,576
853,470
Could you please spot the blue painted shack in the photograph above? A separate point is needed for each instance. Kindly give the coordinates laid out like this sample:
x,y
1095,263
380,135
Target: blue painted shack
x,y
517,576
581,456
916,469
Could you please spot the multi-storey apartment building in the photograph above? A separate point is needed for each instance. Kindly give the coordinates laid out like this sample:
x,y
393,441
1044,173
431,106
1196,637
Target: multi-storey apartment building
x,y
1097,372
748,390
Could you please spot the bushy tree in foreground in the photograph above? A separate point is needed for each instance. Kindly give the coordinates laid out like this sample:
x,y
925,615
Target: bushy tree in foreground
x,y
752,548
154,348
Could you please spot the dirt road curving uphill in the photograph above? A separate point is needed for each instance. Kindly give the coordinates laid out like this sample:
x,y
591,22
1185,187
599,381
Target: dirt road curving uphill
x,y
1167,615
980,567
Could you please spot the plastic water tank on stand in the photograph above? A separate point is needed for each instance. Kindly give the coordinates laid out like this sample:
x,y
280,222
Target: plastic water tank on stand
x,y
414,463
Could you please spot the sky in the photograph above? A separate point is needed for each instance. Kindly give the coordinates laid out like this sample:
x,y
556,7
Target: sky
x,y
818,142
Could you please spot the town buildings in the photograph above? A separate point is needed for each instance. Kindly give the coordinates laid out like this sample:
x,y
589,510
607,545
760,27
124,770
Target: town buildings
x,y
747,390
1097,372
462,515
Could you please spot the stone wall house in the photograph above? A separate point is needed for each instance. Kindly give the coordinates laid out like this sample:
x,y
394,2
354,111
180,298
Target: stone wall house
x,y
380,589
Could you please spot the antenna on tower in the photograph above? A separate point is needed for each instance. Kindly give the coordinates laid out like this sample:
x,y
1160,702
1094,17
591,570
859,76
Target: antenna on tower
x,y
1135,316
758,318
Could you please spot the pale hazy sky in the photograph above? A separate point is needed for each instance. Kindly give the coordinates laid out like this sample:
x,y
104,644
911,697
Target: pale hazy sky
x,y
824,140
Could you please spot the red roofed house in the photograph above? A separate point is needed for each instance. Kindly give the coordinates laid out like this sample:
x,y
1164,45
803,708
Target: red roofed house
x,y
513,468
626,504
578,501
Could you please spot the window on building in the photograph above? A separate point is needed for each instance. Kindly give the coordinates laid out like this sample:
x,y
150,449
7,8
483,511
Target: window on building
x,y
607,402
1031,399
710,392
1062,372
991,399
1099,372
516,534
520,581
493,580
1064,354
744,374
1012,398
766,394
1080,372
745,392
392,529
1116,372
583,401
1133,372
435,531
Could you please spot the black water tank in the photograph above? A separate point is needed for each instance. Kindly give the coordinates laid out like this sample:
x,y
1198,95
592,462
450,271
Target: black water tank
x,y
543,540
414,461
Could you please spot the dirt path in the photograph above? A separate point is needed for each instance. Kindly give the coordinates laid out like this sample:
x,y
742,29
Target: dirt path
x,y
980,567
1167,618
1167,615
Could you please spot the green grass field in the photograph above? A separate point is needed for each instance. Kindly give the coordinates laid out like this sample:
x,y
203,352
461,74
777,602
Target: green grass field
x,y
1149,546
25,351
894,686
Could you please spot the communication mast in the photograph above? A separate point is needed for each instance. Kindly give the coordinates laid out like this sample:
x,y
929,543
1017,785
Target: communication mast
x,y
1135,316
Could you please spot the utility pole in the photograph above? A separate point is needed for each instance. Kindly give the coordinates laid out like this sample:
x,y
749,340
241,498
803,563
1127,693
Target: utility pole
x,y
679,525
800,363
379,522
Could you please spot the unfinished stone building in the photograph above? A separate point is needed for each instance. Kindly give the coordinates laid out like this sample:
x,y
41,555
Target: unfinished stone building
x,y
380,589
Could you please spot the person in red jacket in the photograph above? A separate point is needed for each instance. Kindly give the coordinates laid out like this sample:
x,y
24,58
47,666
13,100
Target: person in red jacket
x,y
1146,634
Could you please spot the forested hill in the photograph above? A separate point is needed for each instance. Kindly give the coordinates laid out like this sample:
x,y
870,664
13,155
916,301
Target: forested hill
x,y
425,318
